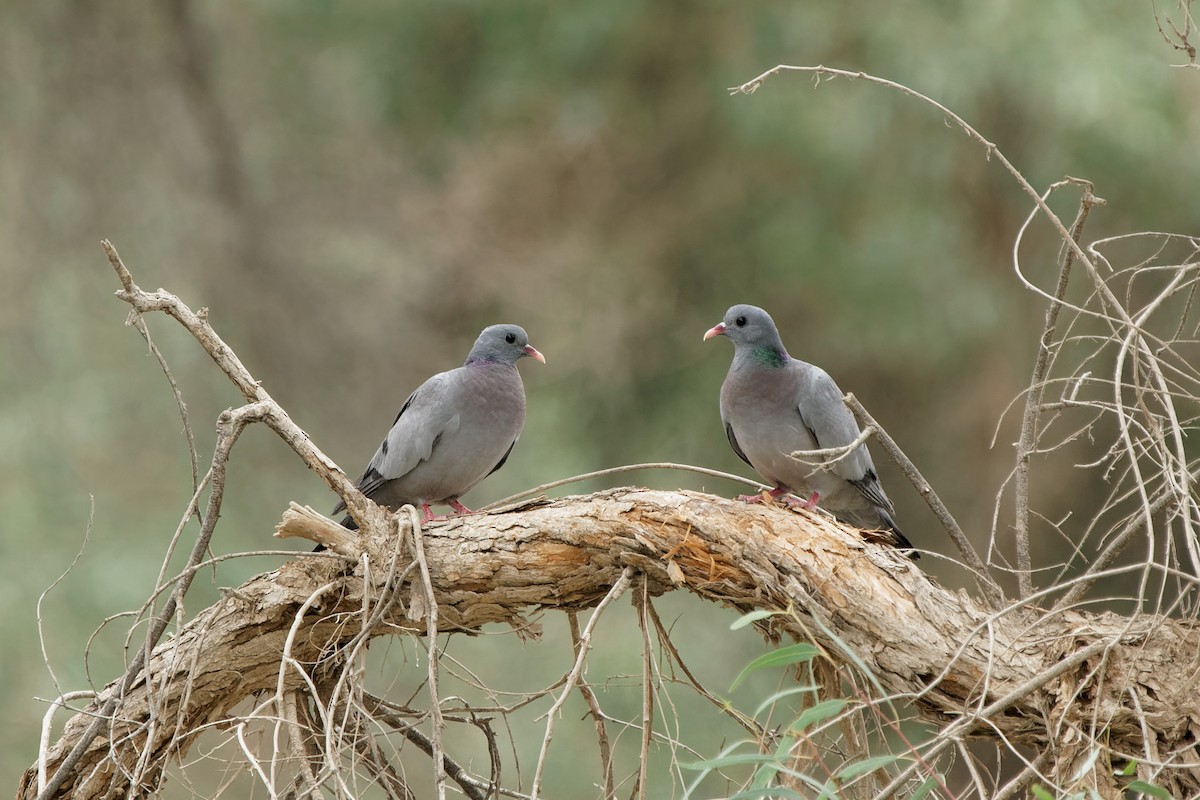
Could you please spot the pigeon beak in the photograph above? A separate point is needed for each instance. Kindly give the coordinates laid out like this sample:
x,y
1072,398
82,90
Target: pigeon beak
x,y
715,330
532,352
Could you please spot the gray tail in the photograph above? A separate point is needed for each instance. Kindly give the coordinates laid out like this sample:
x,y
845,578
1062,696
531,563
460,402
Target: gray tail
x,y
902,542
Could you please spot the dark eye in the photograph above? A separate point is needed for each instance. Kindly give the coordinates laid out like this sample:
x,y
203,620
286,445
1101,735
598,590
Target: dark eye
x,y
510,337
740,322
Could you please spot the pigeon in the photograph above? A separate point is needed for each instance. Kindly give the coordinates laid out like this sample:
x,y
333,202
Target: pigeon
x,y
773,405
456,429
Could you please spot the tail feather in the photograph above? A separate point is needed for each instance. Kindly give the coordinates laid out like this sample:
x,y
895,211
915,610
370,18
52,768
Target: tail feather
x,y
902,542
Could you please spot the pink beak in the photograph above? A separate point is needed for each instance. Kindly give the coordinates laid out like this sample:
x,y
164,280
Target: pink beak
x,y
532,352
715,330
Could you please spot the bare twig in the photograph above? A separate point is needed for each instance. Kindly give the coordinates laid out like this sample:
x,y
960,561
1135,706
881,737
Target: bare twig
x,y
87,533
1180,38
589,697
835,454
300,737
604,473
949,735
1037,386
260,408
431,632
231,365
139,324
664,639
471,787
640,599
585,644
992,591
230,427
1024,778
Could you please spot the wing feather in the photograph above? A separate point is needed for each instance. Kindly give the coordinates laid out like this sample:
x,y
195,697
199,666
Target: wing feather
x,y
733,442
832,424
423,419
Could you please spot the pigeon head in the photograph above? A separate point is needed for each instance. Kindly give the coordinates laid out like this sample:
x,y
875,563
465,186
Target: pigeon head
x,y
752,331
502,344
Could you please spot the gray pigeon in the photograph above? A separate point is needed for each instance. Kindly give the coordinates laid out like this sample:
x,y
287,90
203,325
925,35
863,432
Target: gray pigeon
x,y
773,405
456,429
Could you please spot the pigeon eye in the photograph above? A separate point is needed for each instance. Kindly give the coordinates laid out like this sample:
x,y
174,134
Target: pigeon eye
x,y
510,337
740,322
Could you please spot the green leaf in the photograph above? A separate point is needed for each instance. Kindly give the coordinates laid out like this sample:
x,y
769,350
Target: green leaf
x,y
792,654
767,772
752,617
828,792
818,713
1040,793
731,761
1148,788
780,695
927,786
851,771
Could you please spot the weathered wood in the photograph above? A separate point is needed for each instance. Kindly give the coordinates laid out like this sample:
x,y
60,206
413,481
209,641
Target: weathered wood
x,y
915,636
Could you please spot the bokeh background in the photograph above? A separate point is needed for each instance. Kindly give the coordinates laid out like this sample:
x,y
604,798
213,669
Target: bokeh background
x,y
354,190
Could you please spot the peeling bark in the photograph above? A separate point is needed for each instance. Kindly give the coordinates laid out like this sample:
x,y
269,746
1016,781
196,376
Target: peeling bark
x,y
1038,678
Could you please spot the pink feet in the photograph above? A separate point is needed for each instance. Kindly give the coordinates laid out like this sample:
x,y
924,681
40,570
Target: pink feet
x,y
763,497
781,495
427,515
458,507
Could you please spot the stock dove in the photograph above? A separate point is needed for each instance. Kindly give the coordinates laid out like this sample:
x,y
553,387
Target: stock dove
x,y
456,429
773,405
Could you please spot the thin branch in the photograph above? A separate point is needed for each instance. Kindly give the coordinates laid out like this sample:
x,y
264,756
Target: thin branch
x,y
640,599
585,644
835,454
471,787
992,591
431,632
1037,386
229,426
261,407
392,782
228,362
300,737
139,324
589,697
664,639
604,473
1024,778
949,735
992,151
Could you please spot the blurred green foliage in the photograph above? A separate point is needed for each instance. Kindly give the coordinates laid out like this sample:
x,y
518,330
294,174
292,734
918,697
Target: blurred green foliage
x,y
355,189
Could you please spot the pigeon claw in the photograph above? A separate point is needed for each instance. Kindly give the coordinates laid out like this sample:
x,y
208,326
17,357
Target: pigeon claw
x,y
765,497
458,507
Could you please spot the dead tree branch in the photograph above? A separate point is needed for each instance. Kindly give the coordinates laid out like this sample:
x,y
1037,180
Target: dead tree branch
x,y
998,675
